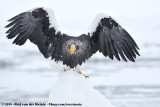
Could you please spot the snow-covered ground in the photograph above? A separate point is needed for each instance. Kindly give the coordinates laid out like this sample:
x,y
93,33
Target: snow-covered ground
x,y
25,76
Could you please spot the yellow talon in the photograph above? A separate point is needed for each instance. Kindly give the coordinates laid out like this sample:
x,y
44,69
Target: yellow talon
x,y
83,75
67,69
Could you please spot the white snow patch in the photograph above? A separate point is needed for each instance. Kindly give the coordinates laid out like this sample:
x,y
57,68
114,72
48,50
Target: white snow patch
x,y
74,88
96,21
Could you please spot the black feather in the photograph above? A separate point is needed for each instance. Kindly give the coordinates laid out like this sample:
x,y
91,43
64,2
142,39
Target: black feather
x,y
12,35
34,25
117,40
102,43
12,23
108,49
16,17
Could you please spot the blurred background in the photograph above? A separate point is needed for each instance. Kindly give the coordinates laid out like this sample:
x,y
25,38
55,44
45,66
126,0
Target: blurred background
x,y
25,76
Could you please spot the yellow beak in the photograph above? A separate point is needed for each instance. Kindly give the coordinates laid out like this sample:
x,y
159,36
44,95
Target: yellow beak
x,y
72,49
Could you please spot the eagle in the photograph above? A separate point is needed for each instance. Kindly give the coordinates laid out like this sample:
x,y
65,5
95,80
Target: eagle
x,y
105,35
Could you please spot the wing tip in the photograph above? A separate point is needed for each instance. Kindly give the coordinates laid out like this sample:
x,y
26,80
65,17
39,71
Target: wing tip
x,y
7,26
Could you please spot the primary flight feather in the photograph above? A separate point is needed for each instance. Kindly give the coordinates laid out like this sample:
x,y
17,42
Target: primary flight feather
x,y
40,27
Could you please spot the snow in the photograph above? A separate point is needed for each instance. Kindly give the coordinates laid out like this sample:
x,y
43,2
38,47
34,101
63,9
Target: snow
x,y
96,21
72,87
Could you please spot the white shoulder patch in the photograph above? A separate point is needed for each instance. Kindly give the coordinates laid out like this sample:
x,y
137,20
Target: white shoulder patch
x,y
95,22
52,19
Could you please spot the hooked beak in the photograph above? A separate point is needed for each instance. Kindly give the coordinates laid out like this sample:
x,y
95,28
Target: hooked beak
x,y
72,49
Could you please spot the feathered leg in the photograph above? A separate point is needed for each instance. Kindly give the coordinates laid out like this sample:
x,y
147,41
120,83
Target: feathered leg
x,y
79,71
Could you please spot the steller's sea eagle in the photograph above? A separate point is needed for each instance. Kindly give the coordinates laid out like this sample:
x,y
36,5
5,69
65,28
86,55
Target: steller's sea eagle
x,y
40,27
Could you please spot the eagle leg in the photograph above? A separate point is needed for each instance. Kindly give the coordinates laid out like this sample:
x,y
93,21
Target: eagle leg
x,y
83,74
67,69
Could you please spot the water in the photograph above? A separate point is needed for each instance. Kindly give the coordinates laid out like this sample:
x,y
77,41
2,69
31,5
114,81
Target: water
x,y
25,76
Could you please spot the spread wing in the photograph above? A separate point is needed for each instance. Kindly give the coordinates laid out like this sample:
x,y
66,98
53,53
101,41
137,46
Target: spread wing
x,y
111,39
40,27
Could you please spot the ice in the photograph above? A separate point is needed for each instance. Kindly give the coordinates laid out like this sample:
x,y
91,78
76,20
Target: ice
x,y
77,90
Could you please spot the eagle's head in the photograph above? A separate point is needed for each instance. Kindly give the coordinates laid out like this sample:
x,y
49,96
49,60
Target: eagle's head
x,y
75,46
